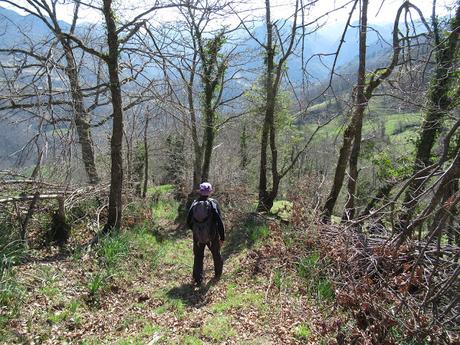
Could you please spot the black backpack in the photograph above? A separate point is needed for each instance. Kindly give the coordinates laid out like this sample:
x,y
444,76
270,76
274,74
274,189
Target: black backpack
x,y
202,218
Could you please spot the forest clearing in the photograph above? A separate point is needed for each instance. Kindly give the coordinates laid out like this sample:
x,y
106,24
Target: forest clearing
x,y
313,147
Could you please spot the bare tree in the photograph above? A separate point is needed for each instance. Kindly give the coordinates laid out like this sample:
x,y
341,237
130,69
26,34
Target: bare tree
x,y
363,92
47,12
196,58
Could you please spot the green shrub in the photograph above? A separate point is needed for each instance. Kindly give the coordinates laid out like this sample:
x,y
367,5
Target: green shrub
x,y
283,209
302,332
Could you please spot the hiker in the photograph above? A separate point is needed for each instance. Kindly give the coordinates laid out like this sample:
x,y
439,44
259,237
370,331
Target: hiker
x,y
204,218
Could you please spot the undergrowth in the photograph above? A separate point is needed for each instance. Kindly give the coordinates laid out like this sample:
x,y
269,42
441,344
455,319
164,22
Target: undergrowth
x,y
12,252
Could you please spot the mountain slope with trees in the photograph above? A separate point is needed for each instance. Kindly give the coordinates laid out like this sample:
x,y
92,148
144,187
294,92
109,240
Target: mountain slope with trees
x,y
336,162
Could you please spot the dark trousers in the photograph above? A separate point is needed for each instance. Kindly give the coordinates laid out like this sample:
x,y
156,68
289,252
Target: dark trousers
x,y
198,252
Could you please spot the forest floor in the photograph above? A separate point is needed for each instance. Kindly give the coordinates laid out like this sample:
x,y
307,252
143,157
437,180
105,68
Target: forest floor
x,y
135,288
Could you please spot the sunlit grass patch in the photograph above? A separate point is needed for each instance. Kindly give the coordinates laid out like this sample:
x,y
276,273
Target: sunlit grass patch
x,y
302,332
162,189
144,242
191,340
165,209
97,283
234,300
218,328
49,279
179,253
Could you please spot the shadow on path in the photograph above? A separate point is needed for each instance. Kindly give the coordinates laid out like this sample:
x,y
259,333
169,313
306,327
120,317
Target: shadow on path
x,y
239,237
191,295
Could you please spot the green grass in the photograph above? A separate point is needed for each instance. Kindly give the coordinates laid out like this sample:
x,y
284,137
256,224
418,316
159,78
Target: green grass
x,y
318,285
162,189
325,290
307,267
49,282
191,340
218,328
97,283
238,300
113,249
70,313
12,251
398,126
257,232
302,332
165,209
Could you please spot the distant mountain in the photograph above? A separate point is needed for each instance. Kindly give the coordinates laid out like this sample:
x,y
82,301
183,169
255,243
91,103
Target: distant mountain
x,y
318,47
16,29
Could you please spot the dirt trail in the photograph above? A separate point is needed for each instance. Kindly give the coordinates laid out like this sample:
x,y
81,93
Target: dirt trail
x,y
146,297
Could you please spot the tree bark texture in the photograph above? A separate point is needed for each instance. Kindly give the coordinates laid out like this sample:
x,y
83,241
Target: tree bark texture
x,y
116,171
146,158
81,116
273,74
356,120
264,195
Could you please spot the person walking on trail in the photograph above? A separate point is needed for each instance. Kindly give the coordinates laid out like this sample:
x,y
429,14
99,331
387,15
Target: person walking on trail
x,y
205,220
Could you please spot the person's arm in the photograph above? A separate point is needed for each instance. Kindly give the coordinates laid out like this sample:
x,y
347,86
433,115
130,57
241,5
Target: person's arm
x,y
189,216
219,222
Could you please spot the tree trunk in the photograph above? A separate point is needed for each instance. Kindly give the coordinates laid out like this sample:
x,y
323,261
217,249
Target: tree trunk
x,y
355,122
265,203
273,75
439,104
81,115
244,160
146,159
116,171
129,159
349,209
208,133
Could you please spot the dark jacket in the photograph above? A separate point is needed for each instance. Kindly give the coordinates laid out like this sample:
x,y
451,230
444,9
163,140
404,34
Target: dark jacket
x,y
217,218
